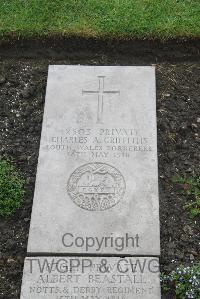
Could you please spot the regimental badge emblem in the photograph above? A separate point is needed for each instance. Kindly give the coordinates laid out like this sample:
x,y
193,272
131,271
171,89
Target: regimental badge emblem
x,y
96,186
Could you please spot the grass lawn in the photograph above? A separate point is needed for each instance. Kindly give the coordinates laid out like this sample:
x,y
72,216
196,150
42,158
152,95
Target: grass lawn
x,y
100,18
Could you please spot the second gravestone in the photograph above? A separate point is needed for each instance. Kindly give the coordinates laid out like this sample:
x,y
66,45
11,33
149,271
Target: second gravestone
x,y
97,184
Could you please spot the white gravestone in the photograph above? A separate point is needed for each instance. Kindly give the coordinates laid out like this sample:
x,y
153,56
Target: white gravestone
x,y
97,181
90,278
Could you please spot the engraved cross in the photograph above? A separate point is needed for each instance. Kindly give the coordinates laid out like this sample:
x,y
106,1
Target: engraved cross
x,y
101,93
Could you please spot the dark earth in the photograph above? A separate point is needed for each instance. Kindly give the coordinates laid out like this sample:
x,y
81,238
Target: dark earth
x,y
23,76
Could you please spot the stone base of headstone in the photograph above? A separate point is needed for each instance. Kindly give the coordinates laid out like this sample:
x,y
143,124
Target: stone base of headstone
x,y
91,278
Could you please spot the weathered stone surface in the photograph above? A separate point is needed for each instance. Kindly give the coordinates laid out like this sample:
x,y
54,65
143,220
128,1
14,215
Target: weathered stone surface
x,y
91,278
97,185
